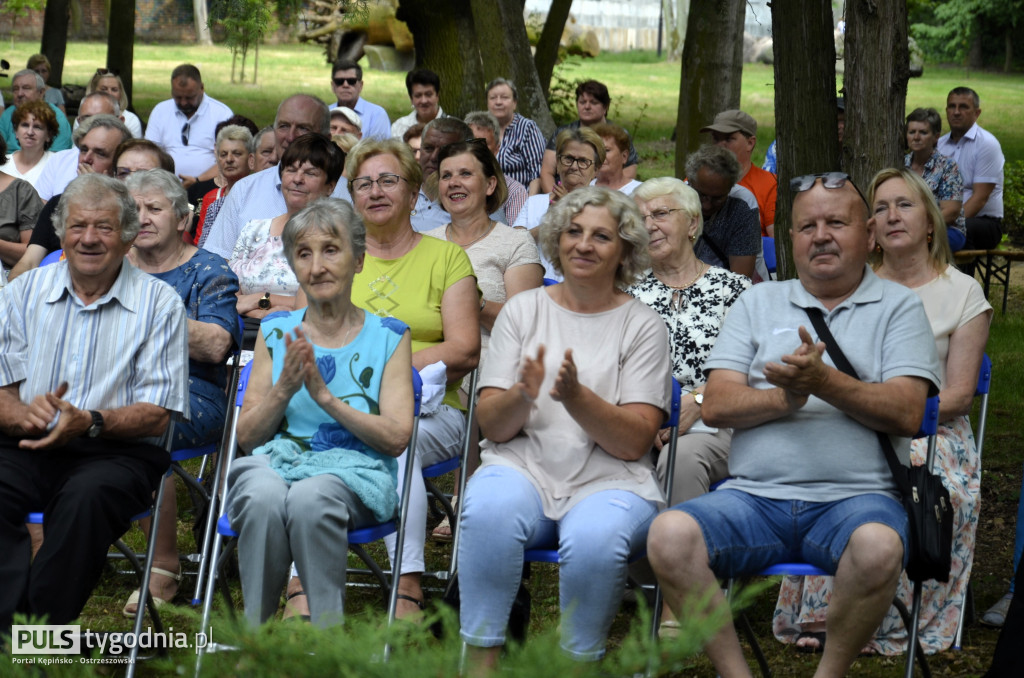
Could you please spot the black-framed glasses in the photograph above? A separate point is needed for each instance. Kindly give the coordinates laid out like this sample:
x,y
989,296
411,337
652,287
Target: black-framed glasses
x,y
184,134
568,161
387,183
108,71
351,82
659,216
831,180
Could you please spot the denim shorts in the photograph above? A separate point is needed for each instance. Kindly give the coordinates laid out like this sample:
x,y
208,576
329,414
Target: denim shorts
x,y
745,533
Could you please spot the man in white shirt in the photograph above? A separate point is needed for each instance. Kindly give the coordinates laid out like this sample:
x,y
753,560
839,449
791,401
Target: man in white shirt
x,y
980,158
347,84
185,125
258,196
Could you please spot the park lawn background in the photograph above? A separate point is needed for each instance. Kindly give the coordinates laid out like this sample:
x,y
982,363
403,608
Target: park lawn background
x,y
644,99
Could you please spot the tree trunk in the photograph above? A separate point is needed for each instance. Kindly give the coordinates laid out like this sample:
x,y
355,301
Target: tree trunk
x,y
55,37
202,22
121,42
1008,50
505,52
675,13
446,43
469,42
805,105
547,46
877,70
712,70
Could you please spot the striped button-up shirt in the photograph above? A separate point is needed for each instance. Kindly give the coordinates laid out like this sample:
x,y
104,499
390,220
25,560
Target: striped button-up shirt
x,y
522,150
129,346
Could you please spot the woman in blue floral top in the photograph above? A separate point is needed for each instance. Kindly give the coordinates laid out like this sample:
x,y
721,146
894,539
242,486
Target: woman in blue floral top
x,y
327,410
924,127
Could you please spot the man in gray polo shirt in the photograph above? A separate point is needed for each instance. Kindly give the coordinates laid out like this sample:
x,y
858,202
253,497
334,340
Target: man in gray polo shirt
x,y
810,481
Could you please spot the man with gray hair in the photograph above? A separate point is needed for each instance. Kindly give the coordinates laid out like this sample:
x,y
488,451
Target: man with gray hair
x,y
732,231
485,126
82,419
27,85
66,165
98,138
258,196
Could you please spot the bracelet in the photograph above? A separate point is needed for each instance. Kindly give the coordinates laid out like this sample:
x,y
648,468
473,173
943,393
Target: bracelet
x,y
525,396
483,302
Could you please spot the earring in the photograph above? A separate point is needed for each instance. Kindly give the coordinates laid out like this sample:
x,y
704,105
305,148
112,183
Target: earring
x,y
878,248
929,238
693,238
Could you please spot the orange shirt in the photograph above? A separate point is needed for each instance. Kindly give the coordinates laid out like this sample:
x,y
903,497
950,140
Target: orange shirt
x,y
764,185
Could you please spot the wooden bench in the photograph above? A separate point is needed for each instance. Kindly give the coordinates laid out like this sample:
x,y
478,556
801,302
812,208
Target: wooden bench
x,y
994,266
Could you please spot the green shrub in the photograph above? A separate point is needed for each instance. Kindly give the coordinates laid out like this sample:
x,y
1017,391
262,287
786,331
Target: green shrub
x,y
1013,202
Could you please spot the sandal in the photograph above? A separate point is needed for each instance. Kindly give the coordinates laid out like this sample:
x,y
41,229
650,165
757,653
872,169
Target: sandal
x,y
443,531
417,602
817,636
133,599
289,609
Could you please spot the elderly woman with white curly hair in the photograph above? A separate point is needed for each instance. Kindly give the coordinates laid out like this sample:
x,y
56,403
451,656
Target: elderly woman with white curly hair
x,y
574,389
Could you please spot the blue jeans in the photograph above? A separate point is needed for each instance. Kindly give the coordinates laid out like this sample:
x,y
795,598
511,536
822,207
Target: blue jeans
x,y
745,533
502,516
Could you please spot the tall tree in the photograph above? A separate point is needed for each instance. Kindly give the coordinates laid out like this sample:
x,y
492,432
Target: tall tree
x,y
121,41
805,105
875,78
550,39
55,36
674,17
712,70
468,42
201,19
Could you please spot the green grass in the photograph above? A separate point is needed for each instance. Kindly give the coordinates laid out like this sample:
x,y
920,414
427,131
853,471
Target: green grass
x,y
643,89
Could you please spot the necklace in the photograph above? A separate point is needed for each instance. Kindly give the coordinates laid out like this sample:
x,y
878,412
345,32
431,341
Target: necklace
x,y
701,267
487,232
678,292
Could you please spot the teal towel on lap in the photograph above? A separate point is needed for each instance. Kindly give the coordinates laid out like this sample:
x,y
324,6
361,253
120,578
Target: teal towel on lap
x,y
366,473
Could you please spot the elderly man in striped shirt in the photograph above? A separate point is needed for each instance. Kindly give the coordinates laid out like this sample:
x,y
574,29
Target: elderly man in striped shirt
x,y
93,366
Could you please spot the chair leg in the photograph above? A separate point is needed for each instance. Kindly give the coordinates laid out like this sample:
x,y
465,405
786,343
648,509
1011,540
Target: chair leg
x,y
144,597
913,643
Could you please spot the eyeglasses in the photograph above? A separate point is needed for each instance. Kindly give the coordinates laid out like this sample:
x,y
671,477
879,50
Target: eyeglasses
x,y
125,172
567,161
387,183
184,134
108,71
660,216
351,82
828,180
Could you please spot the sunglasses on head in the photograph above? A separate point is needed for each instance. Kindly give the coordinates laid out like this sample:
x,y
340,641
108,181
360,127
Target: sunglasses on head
x,y
338,82
108,71
828,180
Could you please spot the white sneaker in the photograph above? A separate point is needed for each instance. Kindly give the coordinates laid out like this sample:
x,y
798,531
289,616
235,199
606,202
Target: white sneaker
x,y
996,615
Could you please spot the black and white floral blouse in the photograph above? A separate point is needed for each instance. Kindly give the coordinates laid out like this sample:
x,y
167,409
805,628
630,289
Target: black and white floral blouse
x,y
693,315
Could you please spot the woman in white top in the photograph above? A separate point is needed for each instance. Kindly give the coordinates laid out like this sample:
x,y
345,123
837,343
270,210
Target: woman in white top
x,y
575,387
913,250
109,82
35,128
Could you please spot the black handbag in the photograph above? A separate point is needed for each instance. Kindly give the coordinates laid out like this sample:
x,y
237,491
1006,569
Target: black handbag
x,y
925,498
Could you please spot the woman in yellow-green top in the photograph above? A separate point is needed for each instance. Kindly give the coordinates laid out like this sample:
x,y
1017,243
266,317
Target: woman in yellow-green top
x,y
429,285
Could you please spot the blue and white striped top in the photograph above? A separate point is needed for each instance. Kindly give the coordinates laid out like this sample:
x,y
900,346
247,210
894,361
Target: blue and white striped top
x,y
130,346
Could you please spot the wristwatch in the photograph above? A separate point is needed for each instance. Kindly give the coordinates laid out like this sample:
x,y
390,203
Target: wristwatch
x,y
97,424
264,302
697,398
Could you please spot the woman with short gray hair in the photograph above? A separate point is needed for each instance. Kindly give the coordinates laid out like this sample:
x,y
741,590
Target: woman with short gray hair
x,y
207,288
323,442
521,144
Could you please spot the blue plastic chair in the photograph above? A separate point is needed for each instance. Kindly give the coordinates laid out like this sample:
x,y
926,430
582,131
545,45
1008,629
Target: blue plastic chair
x,y
51,258
357,538
549,554
768,245
929,429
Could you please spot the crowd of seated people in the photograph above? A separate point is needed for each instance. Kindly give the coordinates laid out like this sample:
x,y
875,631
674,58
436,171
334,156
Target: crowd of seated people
x,y
341,235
